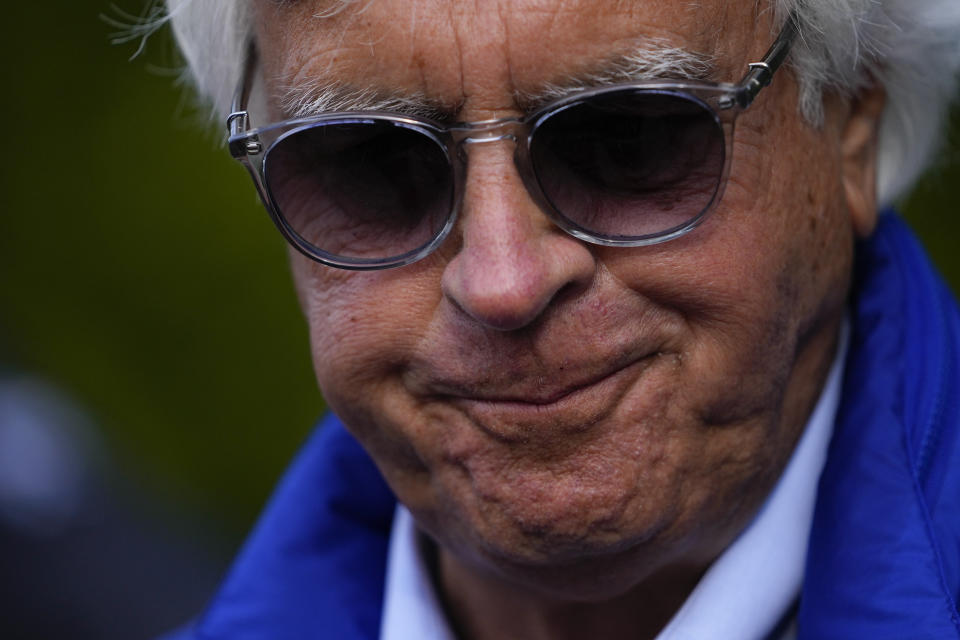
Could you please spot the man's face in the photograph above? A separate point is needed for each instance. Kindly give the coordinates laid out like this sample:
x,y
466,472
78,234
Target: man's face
x,y
541,403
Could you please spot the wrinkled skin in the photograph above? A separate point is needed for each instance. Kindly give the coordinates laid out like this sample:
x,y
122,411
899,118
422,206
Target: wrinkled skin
x,y
581,429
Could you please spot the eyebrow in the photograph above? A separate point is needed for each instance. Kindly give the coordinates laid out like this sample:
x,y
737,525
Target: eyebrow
x,y
652,61
317,97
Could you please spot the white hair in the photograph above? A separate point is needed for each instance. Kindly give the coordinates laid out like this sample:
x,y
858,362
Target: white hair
x,y
910,47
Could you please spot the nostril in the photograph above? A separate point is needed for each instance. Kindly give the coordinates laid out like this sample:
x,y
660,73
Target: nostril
x,y
498,316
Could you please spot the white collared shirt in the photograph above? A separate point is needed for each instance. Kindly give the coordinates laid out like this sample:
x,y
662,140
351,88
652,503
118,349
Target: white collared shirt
x,y
745,593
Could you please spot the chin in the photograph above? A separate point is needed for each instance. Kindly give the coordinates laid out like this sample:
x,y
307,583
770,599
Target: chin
x,y
601,570
558,537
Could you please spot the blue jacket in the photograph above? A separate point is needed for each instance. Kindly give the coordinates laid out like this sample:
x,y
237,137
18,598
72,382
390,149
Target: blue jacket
x,y
884,558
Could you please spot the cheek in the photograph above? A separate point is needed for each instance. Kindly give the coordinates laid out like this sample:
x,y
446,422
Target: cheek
x,y
761,275
355,339
364,326
345,333
364,321
787,236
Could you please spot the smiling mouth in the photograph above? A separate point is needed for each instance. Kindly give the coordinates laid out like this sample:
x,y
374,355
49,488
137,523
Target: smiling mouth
x,y
517,418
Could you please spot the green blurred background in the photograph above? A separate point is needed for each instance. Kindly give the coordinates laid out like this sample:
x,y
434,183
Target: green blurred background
x,y
140,275
138,271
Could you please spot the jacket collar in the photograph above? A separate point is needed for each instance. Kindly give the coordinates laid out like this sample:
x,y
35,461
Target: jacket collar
x,y
882,560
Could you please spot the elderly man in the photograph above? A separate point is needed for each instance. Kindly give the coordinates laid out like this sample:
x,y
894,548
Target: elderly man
x,y
602,290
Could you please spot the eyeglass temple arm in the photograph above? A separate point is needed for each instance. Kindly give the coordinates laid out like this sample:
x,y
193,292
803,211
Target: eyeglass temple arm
x,y
761,73
238,120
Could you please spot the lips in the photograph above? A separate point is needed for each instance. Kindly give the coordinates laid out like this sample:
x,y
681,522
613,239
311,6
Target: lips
x,y
561,375
543,392
543,405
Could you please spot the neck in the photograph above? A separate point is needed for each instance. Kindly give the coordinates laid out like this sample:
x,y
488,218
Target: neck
x,y
482,606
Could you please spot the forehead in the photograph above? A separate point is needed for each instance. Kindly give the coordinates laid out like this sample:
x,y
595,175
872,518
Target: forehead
x,y
480,53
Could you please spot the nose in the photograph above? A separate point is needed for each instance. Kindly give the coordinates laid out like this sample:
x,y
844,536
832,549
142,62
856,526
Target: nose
x,y
512,261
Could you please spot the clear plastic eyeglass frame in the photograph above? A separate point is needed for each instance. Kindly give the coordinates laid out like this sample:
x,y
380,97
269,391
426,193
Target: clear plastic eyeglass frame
x,y
726,101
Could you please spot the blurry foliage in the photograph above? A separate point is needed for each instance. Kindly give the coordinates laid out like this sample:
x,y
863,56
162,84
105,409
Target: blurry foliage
x,y
932,209
138,271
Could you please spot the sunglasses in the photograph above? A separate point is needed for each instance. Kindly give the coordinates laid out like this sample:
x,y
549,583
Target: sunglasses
x,y
623,165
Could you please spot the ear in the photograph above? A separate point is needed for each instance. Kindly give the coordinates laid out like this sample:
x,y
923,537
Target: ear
x,y
859,158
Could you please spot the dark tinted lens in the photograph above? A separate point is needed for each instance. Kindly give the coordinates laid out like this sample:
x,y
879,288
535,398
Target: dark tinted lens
x,y
628,163
361,189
